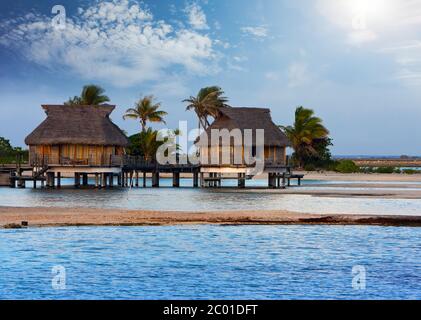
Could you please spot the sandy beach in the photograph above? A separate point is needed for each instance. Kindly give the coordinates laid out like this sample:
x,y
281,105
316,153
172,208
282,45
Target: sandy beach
x,y
53,217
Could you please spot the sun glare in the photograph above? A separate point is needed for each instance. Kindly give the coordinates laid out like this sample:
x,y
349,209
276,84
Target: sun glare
x,y
371,8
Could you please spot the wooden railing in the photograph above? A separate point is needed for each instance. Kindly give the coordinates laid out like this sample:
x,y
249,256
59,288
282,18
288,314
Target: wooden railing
x,y
91,161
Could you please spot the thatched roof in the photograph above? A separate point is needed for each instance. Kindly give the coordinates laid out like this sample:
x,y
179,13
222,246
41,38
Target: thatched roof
x,y
88,125
249,118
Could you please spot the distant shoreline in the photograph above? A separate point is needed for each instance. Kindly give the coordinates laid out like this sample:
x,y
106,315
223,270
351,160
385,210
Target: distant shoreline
x,y
11,217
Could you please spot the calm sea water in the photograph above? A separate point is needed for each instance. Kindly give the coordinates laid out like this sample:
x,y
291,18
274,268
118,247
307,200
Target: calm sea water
x,y
189,199
210,262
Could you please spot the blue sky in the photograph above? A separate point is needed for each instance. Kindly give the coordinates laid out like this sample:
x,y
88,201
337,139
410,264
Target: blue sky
x,y
356,63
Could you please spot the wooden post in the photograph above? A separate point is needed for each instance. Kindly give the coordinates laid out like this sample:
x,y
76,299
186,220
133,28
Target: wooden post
x,y
58,179
126,182
103,180
21,183
271,180
137,179
50,179
202,180
35,183
195,179
77,180
119,179
12,180
176,179
144,179
241,183
155,179
96,180
85,179
111,176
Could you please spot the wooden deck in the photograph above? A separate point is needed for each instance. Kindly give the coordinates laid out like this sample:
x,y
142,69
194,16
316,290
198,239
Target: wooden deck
x,y
134,171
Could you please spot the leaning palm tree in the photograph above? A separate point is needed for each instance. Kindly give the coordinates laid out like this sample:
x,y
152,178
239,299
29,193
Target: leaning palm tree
x,y
92,95
146,110
306,130
206,104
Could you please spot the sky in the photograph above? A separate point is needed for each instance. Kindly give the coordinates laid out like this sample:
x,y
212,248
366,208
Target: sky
x,y
356,63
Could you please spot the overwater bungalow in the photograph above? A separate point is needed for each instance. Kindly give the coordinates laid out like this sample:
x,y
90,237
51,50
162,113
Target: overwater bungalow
x,y
253,120
77,140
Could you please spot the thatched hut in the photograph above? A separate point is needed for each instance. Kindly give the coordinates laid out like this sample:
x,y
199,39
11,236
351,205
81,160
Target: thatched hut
x,y
76,135
79,141
232,156
242,120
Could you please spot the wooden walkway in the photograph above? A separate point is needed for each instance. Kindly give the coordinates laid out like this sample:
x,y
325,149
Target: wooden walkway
x,y
133,172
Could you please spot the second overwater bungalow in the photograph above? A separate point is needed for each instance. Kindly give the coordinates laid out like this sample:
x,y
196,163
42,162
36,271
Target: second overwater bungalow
x,y
273,146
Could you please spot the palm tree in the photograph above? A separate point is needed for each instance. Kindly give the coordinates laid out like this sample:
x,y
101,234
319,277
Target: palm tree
x,y
92,95
206,104
306,130
146,143
146,110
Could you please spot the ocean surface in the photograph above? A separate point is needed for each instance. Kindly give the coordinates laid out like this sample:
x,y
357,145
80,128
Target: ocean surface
x,y
189,199
211,262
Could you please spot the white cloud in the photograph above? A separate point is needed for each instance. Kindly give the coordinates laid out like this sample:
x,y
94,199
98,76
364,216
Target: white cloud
x,y
196,16
361,37
115,41
257,32
272,76
298,74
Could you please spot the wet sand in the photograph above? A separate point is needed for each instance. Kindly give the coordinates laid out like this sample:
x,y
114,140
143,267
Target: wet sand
x,y
55,217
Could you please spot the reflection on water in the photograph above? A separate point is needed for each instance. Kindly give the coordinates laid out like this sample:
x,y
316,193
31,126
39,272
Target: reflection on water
x,y
189,199
209,262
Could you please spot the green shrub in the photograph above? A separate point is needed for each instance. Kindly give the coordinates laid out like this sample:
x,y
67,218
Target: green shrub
x,y
347,166
310,167
386,170
410,171
367,170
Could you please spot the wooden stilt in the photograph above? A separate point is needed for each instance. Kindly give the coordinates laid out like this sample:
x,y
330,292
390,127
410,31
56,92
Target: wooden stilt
x,y
12,180
176,179
202,180
126,180
137,179
77,180
241,180
111,178
103,180
195,179
96,180
131,179
58,179
144,179
155,180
